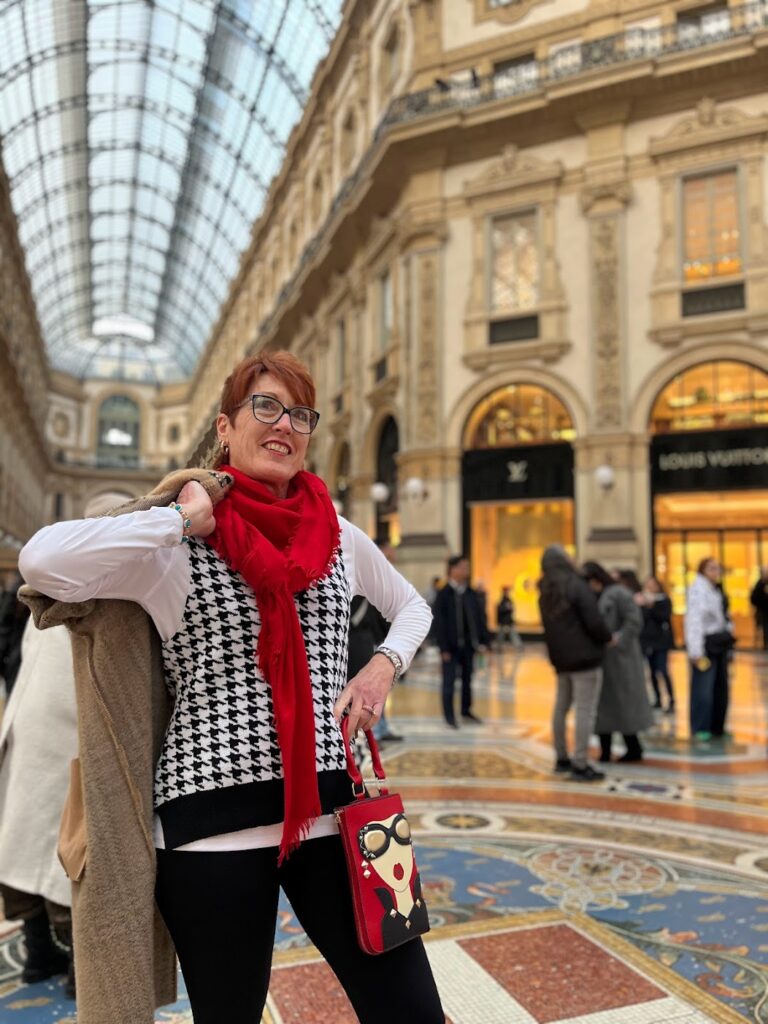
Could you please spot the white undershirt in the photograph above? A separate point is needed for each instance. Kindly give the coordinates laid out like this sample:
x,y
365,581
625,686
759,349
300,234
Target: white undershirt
x,y
139,557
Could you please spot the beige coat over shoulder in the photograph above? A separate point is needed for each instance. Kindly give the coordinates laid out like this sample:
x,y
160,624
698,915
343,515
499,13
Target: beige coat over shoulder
x,y
124,958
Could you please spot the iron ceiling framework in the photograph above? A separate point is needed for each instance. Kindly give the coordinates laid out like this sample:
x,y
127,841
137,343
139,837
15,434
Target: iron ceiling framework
x,y
139,138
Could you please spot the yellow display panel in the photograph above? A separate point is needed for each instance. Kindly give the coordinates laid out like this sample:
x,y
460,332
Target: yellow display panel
x,y
731,527
507,542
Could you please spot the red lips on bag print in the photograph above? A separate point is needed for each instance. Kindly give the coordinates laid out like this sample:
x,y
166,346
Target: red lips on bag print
x,y
386,888
386,848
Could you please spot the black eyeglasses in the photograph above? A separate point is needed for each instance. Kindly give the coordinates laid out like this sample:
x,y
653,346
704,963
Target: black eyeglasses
x,y
267,409
374,838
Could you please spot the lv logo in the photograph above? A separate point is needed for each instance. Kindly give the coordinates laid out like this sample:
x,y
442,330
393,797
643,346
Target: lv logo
x,y
518,472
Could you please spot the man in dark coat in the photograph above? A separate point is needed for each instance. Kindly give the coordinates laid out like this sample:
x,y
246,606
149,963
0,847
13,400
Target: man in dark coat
x,y
367,629
460,631
759,600
13,621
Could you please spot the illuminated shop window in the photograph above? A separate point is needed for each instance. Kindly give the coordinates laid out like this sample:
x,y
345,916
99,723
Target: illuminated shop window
x,y
711,235
717,395
518,414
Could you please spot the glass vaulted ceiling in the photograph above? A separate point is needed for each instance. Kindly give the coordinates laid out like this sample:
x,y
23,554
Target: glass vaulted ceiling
x,y
139,138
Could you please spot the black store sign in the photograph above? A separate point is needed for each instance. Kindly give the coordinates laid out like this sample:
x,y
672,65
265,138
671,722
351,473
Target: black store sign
x,y
512,474
715,460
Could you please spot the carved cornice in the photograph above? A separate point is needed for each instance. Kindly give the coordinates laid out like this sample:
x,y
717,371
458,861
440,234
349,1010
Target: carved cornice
x,y
508,14
413,233
384,393
513,170
512,355
710,125
610,194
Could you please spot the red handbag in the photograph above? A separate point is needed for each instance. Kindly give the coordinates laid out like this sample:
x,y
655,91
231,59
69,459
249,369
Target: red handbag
x,y
386,889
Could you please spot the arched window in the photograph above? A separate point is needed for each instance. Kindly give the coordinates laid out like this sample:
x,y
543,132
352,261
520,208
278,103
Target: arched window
x,y
316,208
390,59
341,479
387,520
518,414
348,143
118,432
717,395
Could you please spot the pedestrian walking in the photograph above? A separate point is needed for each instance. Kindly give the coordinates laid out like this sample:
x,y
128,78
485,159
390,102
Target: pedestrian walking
x,y
461,632
708,642
657,639
505,621
576,636
623,706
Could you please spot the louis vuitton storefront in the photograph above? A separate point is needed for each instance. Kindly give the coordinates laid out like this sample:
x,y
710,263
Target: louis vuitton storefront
x,y
518,492
709,482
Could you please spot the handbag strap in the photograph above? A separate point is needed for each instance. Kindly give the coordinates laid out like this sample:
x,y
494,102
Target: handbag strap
x,y
358,785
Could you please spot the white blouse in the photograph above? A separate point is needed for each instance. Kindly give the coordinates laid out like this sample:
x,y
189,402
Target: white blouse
x,y
139,557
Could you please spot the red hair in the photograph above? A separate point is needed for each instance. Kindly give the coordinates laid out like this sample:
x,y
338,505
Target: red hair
x,y
281,364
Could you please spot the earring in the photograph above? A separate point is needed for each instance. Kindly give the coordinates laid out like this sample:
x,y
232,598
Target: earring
x,y
224,446
366,872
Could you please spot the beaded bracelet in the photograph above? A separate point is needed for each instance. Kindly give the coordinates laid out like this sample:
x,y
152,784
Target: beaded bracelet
x,y
184,518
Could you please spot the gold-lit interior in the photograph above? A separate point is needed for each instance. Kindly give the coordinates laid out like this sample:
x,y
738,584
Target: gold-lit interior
x,y
731,527
507,543
712,240
712,396
518,414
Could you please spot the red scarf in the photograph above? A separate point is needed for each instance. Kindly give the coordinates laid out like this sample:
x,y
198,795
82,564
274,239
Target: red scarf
x,y
281,546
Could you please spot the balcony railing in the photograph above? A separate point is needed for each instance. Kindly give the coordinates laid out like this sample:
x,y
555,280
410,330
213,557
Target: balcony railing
x,y
634,44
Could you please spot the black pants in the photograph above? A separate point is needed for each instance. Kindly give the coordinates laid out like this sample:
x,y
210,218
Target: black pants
x,y
460,661
221,909
658,664
720,694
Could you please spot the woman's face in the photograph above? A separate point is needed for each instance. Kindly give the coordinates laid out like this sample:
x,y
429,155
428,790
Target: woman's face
x,y
395,865
712,571
272,453
651,586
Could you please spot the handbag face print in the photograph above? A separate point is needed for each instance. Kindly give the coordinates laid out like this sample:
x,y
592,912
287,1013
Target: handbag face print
x,y
386,888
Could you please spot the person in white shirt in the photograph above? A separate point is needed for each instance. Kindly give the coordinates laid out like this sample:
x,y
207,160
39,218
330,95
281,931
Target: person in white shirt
x,y
708,639
251,600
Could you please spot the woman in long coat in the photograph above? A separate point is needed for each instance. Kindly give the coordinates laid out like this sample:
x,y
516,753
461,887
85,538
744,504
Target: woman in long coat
x,y
624,706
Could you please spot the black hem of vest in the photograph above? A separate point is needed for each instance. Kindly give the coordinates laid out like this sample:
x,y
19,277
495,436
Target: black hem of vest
x,y
232,808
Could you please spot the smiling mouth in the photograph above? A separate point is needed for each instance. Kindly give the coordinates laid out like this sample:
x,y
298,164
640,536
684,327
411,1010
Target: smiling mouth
x,y
399,872
277,448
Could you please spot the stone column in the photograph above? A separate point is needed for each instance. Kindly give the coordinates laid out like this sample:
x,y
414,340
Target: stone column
x,y
605,511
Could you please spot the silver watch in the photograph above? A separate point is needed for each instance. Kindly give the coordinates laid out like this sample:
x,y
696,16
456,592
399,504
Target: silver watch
x,y
394,657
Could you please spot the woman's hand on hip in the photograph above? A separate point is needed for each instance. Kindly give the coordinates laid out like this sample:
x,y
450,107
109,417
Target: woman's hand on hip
x,y
365,695
198,507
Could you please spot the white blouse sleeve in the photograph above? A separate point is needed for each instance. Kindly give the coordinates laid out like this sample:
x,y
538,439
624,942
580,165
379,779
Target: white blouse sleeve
x,y
136,557
371,575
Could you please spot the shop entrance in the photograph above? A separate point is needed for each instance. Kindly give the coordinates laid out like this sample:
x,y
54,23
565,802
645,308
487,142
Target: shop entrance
x,y
690,527
507,541
517,479
709,479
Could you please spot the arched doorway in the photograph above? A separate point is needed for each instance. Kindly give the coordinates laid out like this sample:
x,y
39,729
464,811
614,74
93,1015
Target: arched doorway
x,y
709,482
340,488
387,516
517,480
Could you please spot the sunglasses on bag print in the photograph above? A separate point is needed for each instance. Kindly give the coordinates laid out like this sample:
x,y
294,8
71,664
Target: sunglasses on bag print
x,y
375,837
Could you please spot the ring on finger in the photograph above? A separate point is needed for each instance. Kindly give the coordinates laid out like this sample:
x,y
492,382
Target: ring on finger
x,y
371,710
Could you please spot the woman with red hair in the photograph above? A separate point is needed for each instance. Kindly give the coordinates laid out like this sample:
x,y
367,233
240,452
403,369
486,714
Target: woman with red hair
x,y
251,600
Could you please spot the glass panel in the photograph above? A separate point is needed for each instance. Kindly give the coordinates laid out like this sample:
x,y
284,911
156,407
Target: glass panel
x,y
716,395
190,100
712,245
515,258
518,414
507,542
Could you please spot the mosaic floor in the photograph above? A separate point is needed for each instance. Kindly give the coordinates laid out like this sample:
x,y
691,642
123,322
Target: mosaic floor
x,y
638,900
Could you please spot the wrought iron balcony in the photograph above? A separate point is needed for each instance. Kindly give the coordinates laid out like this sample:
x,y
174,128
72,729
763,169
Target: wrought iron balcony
x,y
467,89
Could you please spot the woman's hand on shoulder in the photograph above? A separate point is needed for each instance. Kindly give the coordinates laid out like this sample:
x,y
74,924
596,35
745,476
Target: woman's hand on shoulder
x,y
368,689
198,507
